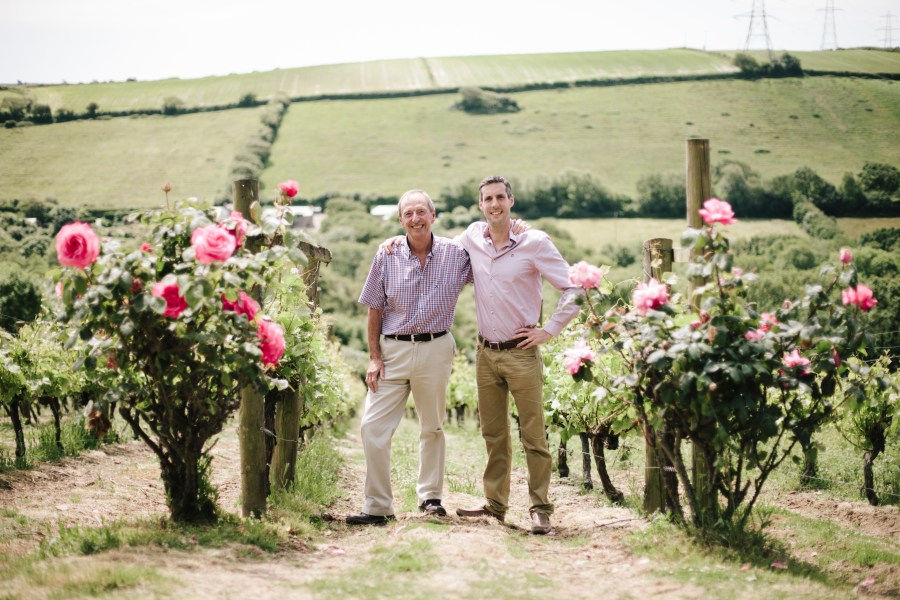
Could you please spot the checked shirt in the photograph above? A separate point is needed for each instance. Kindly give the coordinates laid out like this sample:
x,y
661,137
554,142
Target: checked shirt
x,y
413,299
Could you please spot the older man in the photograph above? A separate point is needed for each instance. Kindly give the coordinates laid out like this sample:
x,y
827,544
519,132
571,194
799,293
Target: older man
x,y
411,294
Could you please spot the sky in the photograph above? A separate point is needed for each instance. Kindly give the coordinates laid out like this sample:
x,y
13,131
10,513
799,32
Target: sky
x,y
74,41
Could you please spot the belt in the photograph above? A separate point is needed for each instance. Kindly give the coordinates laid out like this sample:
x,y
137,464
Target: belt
x,y
507,345
415,337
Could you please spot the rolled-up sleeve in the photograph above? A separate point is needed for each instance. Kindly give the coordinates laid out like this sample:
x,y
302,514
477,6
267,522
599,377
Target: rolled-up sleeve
x,y
554,268
373,294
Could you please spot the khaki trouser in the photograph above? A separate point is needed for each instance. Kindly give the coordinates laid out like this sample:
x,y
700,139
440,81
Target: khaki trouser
x,y
422,368
520,372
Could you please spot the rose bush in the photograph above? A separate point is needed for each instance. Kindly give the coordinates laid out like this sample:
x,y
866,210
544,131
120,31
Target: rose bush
x,y
159,315
744,387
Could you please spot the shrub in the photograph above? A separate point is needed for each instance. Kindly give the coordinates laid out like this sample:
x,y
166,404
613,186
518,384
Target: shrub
x,y
661,197
478,101
20,301
172,105
885,238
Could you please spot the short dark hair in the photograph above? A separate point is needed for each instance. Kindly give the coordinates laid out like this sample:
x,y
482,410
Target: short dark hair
x,y
494,179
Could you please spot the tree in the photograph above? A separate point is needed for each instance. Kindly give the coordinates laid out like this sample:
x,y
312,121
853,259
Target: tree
x,y
91,110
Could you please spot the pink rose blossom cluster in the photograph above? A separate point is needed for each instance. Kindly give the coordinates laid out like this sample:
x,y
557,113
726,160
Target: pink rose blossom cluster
x,y
649,296
576,356
289,188
77,245
585,275
862,296
244,305
717,211
171,293
236,225
271,342
213,244
795,360
767,321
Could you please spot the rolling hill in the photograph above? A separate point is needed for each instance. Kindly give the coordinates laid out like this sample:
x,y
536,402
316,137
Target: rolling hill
x,y
632,124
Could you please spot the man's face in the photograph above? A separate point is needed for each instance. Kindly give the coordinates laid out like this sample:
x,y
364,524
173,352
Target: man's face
x,y
495,204
416,216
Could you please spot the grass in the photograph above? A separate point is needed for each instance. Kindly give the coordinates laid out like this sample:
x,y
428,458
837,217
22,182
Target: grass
x,y
382,75
122,163
389,573
40,444
315,487
618,134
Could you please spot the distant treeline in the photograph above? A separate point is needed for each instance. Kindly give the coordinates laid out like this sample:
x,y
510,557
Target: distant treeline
x,y
803,195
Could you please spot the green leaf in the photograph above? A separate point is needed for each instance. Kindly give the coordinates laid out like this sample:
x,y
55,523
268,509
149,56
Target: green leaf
x,y
127,327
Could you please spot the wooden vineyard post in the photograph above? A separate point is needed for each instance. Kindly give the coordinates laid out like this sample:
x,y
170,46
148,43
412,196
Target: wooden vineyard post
x,y
657,255
698,187
289,406
252,414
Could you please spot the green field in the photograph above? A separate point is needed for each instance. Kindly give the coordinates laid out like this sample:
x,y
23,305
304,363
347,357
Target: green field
x,y
382,147
123,162
618,134
385,75
594,233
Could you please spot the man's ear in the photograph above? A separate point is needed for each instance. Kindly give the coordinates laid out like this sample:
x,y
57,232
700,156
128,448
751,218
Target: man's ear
x,y
512,200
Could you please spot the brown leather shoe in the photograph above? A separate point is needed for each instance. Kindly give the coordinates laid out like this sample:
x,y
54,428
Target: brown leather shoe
x,y
540,523
481,511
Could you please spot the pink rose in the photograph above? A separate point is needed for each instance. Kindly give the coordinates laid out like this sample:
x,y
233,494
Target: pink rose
x,y
175,302
145,247
271,342
717,211
77,245
647,296
585,275
836,357
236,225
737,271
244,305
767,320
754,335
862,297
289,188
167,187
794,359
212,243
577,355
845,256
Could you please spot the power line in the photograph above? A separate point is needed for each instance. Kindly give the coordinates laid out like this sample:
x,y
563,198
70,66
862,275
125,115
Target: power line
x,y
887,29
829,31
759,27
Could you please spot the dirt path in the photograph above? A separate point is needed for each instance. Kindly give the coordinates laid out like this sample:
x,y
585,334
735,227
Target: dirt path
x,y
584,555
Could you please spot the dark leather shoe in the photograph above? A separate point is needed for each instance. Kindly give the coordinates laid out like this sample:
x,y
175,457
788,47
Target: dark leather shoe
x,y
366,519
433,507
481,511
540,523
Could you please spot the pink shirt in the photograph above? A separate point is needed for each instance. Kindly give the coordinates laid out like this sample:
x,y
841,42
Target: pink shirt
x,y
508,282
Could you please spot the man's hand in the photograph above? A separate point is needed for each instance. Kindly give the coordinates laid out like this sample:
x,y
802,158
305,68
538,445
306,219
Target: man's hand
x,y
374,373
520,226
388,244
534,336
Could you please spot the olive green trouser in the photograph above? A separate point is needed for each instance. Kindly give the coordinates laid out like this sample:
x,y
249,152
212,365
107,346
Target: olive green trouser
x,y
499,373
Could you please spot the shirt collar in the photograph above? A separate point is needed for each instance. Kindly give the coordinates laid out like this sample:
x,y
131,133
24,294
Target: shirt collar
x,y
408,250
513,237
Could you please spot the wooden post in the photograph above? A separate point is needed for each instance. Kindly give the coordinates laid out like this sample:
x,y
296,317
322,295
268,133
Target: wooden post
x,y
288,408
658,255
252,414
698,187
289,404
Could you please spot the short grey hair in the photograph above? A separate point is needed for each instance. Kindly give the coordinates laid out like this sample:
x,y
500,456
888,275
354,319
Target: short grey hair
x,y
411,194
494,179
